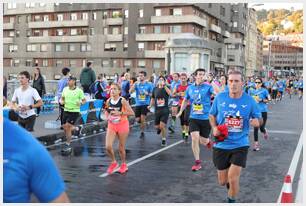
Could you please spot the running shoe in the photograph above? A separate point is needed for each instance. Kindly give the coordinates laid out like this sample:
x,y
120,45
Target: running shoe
x,y
196,167
66,150
171,130
163,143
123,169
256,147
186,137
112,167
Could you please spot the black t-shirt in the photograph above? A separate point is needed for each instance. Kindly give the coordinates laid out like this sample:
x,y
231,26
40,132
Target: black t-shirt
x,y
160,98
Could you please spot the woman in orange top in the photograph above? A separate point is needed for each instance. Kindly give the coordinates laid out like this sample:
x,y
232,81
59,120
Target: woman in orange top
x,y
117,111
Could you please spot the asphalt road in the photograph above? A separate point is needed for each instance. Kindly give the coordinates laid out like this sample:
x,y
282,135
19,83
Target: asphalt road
x,y
167,177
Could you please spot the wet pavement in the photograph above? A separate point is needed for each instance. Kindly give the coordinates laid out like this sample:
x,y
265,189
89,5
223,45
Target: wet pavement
x,y
167,177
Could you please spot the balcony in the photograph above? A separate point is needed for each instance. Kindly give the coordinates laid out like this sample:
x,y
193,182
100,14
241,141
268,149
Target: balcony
x,y
155,54
233,41
51,24
154,37
114,21
114,37
215,28
62,39
21,9
8,40
227,34
178,19
8,26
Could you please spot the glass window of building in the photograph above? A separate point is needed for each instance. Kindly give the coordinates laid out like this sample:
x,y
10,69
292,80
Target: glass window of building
x,y
94,16
11,6
156,64
104,16
59,32
84,15
116,14
142,29
37,18
127,63
157,12
176,29
46,17
16,62
177,12
126,13
181,61
11,34
141,63
58,47
42,4
59,63
72,62
105,63
28,63
140,13
92,31
71,47
73,32
115,30
157,30
125,46
45,63
59,17
17,33
126,30
73,16
43,47
140,46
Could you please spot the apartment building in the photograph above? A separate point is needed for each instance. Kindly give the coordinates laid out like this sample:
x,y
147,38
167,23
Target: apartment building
x,y
259,55
116,36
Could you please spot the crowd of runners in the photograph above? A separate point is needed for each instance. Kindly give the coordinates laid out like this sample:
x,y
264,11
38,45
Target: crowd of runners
x,y
215,111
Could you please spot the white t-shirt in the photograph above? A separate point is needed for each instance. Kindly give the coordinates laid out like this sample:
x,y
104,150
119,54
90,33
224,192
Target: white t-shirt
x,y
26,98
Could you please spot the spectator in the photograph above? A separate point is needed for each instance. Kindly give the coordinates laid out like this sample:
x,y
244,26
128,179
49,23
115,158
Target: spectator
x,y
25,95
87,77
99,87
39,85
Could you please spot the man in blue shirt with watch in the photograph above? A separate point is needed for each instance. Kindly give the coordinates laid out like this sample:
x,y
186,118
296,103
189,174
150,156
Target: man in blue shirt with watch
x,y
237,111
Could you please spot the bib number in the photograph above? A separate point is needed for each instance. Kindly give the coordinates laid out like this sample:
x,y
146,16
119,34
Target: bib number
x,y
198,108
234,124
160,102
142,97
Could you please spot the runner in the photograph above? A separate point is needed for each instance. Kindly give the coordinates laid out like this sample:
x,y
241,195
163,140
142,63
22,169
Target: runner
x,y
280,88
290,86
237,110
23,102
300,86
160,97
143,92
60,87
223,80
72,98
174,101
199,95
117,111
180,91
274,89
262,97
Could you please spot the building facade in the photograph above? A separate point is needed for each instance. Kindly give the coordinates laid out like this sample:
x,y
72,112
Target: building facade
x,y
259,55
251,43
116,37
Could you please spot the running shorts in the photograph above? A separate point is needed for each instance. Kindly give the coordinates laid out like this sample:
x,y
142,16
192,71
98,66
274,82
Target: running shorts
x,y
202,126
121,127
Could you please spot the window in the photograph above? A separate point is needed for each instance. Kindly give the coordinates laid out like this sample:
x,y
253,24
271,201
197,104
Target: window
x,y
17,33
141,63
142,29
104,16
109,47
73,32
11,6
235,24
85,47
58,63
11,34
72,62
126,30
156,64
156,29
18,19
105,31
42,4
36,18
46,18
73,17
105,63
181,61
71,47
45,63
56,4
28,33
94,16
140,46
177,12
43,47
157,12
31,48
92,31
125,46
116,14
16,62
175,29
59,32
28,63
115,30
36,33
84,15
126,13
127,63
140,13
28,18
58,47
60,17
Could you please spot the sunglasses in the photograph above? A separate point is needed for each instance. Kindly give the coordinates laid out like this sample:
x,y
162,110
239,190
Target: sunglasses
x,y
257,82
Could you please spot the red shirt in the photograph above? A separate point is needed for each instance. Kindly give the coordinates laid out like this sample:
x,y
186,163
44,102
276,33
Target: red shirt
x,y
181,88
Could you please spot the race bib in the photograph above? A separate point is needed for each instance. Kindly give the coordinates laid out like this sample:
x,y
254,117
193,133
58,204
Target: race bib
x,y
198,108
114,119
160,102
142,97
256,98
234,124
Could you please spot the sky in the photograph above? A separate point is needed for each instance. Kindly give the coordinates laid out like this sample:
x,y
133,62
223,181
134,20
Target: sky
x,y
269,6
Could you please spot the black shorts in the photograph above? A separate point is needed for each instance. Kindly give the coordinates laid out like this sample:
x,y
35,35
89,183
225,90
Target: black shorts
x,y
70,117
301,89
202,126
224,158
27,123
161,116
185,116
141,110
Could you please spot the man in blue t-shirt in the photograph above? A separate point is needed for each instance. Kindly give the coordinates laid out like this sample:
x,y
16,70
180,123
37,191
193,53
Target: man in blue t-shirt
x,y
28,168
237,111
199,95
174,100
143,91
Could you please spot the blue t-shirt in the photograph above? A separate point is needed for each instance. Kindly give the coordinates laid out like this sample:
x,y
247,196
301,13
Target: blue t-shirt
x,y
300,84
199,97
143,93
267,84
261,94
27,168
125,86
281,85
226,89
236,113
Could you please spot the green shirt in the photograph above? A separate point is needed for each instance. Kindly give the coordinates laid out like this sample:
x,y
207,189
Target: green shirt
x,y
72,99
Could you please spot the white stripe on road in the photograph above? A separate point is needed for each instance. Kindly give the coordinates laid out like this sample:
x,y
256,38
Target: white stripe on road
x,y
145,157
293,164
299,191
280,131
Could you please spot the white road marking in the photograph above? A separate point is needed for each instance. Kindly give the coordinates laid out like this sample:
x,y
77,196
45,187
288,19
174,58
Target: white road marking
x,y
279,131
145,157
294,163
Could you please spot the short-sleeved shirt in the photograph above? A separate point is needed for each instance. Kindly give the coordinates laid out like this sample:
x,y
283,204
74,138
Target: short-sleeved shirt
x,y
141,89
281,85
27,168
73,98
199,97
27,98
260,94
236,114
161,98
